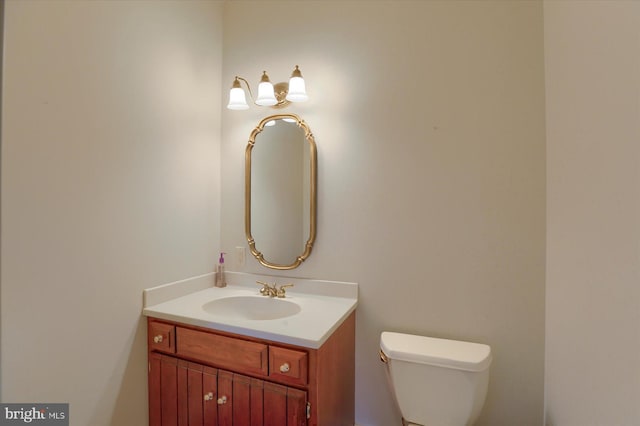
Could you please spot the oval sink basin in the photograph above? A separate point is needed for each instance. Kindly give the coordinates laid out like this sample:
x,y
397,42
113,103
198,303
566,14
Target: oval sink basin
x,y
251,307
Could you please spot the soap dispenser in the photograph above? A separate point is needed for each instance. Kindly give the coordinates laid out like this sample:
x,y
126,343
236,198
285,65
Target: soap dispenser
x,y
221,280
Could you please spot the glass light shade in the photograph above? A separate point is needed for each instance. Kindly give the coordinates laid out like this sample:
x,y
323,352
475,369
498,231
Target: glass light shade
x,y
237,99
266,96
297,91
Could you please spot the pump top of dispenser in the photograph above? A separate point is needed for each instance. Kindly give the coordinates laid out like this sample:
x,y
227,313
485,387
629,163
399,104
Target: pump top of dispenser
x,y
221,260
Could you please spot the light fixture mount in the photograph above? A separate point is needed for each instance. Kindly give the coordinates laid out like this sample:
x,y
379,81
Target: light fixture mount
x,y
280,90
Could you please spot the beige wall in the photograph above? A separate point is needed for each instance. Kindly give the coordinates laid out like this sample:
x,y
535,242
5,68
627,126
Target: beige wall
x,y
110,184
592,56
429,120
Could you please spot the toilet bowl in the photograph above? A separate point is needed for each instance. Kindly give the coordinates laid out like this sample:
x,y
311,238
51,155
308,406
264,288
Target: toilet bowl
x,y
436,382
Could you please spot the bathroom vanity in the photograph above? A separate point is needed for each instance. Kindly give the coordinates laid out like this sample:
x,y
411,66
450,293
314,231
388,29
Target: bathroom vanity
x,y
227,366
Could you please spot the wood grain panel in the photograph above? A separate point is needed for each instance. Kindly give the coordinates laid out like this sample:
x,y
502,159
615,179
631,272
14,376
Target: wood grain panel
x,y
335,378
161,337
195,394
295,360
183,387
221,351
241,400
225,389
258,392
257,403
275,404
169,390
210,384
296,407
155,415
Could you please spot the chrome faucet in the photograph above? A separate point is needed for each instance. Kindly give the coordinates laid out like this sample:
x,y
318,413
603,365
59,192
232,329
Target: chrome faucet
x,y
273,290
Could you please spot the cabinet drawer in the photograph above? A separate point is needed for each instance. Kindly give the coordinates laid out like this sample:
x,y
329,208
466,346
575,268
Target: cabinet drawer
x,y
288,365
161,337
222,351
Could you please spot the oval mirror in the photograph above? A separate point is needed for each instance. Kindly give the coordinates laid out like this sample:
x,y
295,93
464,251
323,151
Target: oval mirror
x,y
280,191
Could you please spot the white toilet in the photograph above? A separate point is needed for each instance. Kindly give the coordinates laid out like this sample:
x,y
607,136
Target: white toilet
x,y
436,382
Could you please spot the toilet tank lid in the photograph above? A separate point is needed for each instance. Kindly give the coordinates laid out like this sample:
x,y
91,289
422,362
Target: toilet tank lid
x,y
434,351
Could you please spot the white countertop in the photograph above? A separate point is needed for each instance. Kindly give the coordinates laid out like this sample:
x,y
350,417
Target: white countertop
x,y
324,306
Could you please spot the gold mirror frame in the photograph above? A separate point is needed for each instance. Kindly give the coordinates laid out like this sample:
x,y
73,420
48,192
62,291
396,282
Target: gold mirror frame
x,y
313,190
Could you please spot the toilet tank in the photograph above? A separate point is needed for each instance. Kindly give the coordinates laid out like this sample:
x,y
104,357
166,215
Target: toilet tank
x,y
435,381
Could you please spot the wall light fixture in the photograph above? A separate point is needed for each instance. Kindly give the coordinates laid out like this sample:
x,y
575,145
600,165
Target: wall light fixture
x,y
277,96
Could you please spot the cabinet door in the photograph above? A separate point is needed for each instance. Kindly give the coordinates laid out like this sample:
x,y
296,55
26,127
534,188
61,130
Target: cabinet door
x,y
183,393
241,400
296,407
284,406
196,395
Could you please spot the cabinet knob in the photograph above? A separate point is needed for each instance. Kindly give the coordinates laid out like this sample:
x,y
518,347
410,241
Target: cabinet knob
x,y
222,400
157,339
284,368
208,396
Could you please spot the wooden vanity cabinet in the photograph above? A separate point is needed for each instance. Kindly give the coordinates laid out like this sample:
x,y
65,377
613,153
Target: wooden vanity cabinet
x,y
205,377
